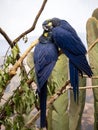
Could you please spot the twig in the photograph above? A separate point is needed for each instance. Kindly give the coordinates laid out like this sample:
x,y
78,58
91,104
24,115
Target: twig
x,y
82,88
33,119
6,37
88,87
93,77
34,24
92,45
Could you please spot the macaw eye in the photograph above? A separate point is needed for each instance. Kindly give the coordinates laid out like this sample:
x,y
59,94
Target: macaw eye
x,y
45,34
50,24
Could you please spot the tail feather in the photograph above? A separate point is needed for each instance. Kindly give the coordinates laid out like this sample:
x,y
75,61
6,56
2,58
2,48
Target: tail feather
x,y
74,80
80,62
84,66
43,98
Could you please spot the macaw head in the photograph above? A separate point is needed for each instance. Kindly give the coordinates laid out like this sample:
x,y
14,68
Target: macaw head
x,y
46,37
50,23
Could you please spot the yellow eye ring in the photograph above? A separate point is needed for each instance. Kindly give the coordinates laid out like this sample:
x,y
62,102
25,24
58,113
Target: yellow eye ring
x,y
50,24
45,34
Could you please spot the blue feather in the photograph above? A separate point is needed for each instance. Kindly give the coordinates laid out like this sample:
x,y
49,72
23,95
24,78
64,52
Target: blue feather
x,y
74,79
66,38
45,57
43,99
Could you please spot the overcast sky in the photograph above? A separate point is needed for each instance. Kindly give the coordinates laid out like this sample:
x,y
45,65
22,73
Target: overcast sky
x,y
16,16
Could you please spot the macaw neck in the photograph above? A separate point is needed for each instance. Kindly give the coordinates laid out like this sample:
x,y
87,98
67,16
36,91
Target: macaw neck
x,y
45,40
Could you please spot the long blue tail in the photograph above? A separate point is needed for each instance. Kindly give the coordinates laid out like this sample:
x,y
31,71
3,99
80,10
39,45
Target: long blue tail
x,y
80,62
74,80
43,98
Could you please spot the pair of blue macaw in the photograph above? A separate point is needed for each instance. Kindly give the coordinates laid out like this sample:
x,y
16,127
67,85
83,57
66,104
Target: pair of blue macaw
x,y
58,34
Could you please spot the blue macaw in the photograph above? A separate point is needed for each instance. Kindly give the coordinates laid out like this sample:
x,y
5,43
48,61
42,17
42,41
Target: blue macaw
x,y
45,57
66,38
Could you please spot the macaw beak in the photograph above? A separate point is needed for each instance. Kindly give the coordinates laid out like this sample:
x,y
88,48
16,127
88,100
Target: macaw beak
x,y
47,26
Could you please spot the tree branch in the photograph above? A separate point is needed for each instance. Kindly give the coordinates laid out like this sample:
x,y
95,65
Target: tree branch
x,y
6,37
93,77
34,24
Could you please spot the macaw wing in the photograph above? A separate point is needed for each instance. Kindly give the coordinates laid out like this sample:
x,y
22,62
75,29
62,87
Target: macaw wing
x,y
64,24
80,62
68,40
43,74
45,57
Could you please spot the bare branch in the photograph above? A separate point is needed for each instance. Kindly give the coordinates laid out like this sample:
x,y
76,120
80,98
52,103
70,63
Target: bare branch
x,y
88,87
34,24
93,77
6,37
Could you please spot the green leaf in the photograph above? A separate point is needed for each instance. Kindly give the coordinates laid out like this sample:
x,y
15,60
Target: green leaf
x,y
9,60
8,124
15,51
8,110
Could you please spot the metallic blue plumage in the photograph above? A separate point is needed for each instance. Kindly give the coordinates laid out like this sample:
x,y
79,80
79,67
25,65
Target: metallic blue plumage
x,y
74,79
45,57
66,38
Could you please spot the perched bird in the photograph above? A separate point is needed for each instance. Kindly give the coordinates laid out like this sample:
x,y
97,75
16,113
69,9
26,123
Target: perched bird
x,y
66,38
45,57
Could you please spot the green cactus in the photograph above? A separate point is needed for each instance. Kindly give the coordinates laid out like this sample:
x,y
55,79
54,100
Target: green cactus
x,y
92,35
95,13
76,110
58,115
